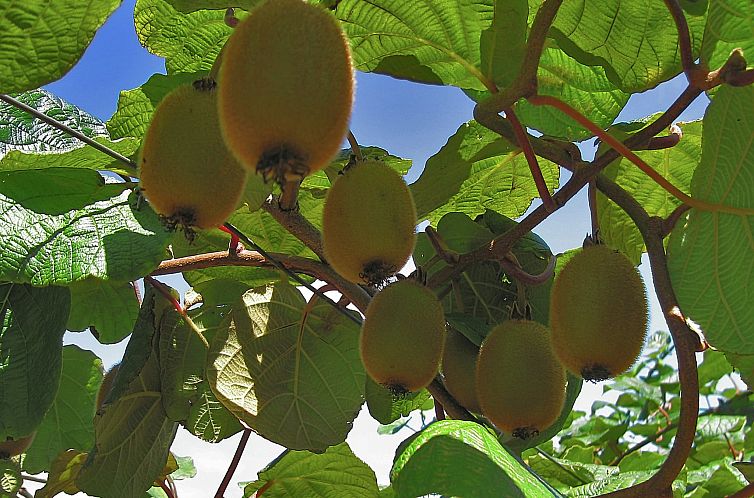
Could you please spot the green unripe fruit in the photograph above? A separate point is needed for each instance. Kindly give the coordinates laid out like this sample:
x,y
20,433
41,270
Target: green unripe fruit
x,y
187,173
402,337
368,223
598,313
286,89
459,370
13,447
519,381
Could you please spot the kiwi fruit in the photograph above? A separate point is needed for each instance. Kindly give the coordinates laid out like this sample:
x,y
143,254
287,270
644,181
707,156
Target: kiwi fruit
x,y
520,383
12,447
187,173
286,89
459,369
107,385
368,224
402,337
598,313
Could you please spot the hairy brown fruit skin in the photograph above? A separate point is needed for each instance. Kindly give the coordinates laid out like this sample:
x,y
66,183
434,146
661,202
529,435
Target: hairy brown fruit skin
x,y
368,224
402,337
598,313
13,447
286,89
520,383
459,370
187,173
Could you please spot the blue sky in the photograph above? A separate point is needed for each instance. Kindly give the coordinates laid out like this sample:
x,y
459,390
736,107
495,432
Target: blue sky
x,y
410,120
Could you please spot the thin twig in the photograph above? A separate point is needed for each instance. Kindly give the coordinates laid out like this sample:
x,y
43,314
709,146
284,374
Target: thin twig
x,y
513,269
27,477
536,172
297,225
448,402
684,38
355,149
67,129
245,435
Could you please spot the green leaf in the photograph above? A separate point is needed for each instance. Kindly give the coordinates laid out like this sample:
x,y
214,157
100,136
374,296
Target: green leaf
x,y
323,179
63,473
730,24
478,170
110,307
586,88
470,44
459,458
291,373
188,6
63,225
188,42
22,132
133,433
636,42
612,483
208,419
10,478
386,408
68,422
676,164
136,106
186,469
709,271
41,42
336,472
31,343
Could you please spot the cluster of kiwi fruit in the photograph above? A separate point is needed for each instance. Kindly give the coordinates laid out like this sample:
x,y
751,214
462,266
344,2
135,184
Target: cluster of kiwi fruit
x,y
517,378
279,105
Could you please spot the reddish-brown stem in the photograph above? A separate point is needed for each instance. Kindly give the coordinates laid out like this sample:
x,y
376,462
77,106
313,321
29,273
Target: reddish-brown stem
x,y
230,18
672,219
449,404
234,246
536,172
163,289
624,151
513,269
245,435
666,142
684,38
353,292
746,492
440,247
137,293
740,78
439,411
164,486
264,488
297,225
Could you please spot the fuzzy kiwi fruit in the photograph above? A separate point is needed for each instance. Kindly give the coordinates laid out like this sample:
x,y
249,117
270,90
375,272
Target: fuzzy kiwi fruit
x,y
598,313
402,337
368,224
520,383
186,172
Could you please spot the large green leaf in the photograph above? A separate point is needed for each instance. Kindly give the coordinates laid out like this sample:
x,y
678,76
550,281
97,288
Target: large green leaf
x,y
42,40
133,433
675,164
62,476
109,307
709,255
471,44
459,458
635,41
189,42
22,132
585,88
62,225
385,408
31,344
336,472
478,170
730,24
292,374
68,423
